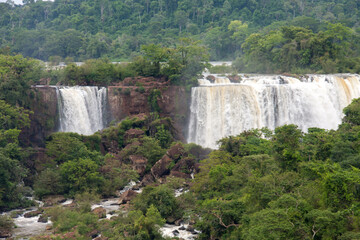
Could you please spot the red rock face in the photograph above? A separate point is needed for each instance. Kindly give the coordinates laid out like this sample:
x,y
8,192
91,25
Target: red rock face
x,y
131,97
44,117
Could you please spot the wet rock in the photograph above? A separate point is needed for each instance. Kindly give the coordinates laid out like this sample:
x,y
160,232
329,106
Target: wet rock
x,y
161,167
211,78
182,228
101,238
43,219
5,233
234,78
100,212
71,205
53,200
48,227
175,232
93,234
127,196
32,213
191,229
138,163
170,220
16,214
178,222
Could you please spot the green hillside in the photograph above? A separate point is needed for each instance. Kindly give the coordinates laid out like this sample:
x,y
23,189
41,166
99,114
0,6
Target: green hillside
x,y
117,29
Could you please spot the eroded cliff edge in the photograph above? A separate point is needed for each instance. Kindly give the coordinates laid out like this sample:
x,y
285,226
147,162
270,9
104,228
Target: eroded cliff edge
x,y
132,96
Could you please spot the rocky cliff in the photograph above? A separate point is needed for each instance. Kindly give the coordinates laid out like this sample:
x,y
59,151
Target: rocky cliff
x,y
131,97
44,119
141,95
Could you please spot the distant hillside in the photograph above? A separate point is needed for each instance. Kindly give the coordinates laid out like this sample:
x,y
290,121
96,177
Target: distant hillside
x,y
116,29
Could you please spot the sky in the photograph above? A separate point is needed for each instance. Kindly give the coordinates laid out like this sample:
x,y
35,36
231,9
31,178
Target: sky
x,y
19,1
16,1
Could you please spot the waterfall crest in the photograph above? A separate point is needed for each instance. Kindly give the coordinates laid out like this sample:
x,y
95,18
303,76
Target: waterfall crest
x,y
82,109
223,108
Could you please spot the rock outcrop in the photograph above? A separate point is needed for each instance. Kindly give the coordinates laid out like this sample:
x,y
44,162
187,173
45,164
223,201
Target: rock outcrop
x,y
127,196
100,212
138,163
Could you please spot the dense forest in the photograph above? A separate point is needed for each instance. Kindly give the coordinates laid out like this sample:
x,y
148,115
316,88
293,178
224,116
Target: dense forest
x,y
79,30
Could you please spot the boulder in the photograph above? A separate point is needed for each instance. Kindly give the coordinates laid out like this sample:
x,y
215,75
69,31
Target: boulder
x,y
178,223
5,233
161,167
211,78
176,151
185,165
53,200
178,174
43,219
175,232
100,211
147,180
93,234
190,228
127,196
32,213
138,163
234,78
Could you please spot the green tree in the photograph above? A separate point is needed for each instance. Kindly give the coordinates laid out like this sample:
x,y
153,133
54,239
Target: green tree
x,y
80,175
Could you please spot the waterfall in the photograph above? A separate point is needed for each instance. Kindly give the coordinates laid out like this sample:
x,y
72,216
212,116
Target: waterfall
x,y
223,108
82,109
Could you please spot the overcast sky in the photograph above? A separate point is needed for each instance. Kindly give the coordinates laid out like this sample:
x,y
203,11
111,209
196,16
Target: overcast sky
x,y
16,1
20,1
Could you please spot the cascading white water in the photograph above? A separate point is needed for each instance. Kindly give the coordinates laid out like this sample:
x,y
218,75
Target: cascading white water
x,y
223,108
81,109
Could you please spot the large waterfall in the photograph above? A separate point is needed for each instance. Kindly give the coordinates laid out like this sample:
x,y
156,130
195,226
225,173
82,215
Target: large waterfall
x,y
223,108
82,109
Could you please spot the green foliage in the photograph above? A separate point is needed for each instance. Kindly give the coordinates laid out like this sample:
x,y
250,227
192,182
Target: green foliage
x,y
286,146
162,198
64,220
297,50
164,136
153,100
150,149
63,147
137,225
11,174
13,117
116,175
48,183
16,75
6,223
80,175
352,113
